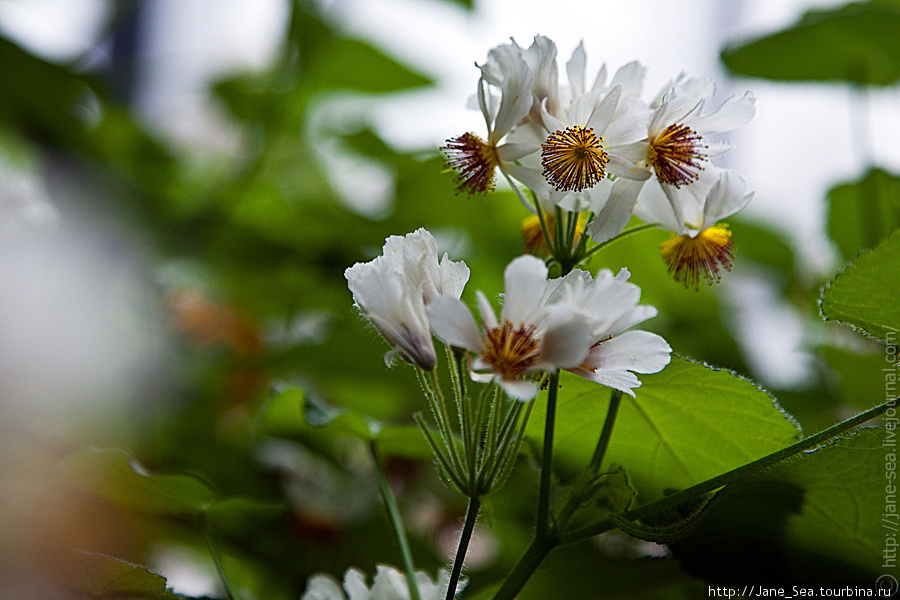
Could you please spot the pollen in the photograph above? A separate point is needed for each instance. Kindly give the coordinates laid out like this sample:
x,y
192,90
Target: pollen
x,y
510,349
706,254
574,159
677,155
475,162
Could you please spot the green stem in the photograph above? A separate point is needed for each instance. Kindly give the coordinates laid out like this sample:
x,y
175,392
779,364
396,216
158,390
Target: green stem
x,y
543,509
615,401
464,538
393,511
731,476
527,565
576,499
621,235
213,551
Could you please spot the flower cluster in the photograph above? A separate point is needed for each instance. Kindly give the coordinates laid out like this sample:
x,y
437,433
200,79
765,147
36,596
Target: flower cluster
x,y
571,322
388,584
605,149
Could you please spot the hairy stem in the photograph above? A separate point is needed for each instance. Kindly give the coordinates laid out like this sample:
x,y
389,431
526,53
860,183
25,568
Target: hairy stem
x,y
464,538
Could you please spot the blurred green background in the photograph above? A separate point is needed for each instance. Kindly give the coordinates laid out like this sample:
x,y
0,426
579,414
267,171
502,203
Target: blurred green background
x,y
182,307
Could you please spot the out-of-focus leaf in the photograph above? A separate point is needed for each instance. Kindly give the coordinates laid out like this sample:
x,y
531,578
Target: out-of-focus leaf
x,y
688,423
817,517
865,294
116,476
762,246
355,65
854,43
100,576
860,377
289,415
862,213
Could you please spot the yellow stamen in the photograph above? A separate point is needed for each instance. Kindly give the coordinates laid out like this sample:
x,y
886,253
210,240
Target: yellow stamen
x,y
677,155
574,159
704,254
533,234
510,350
475,162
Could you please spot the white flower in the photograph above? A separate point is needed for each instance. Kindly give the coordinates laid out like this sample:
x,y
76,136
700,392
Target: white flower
x,y
393,290
389,584
476,160
676,153
613,305
557,324
584,133
700,245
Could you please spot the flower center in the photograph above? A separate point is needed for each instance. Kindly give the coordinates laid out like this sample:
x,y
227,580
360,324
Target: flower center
x,y
574,159
474,160
510,350
704,254
677,155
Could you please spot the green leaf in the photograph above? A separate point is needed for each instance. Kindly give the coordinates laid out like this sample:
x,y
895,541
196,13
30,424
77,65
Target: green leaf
x,y
355,65
763,246
855,43
865,294
818,517
101,576
116,476
288,414
862,213
687,424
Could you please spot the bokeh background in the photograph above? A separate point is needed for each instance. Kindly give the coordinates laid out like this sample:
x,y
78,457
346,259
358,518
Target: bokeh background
x,y
182,184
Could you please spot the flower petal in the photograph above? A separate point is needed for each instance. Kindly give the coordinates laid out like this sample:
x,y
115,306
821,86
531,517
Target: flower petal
x,y
614,214
604,111
454,275
735,112
728,195
453,323
638,351
522,390
525,280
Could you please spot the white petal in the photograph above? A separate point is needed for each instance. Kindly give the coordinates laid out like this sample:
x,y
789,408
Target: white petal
x,y
653,207
550,122
454,276
631,78
617,379
322,587
728,195
604,111
567,340
575,70
638,351
623,168
488,318
453,323
525,280
735,112
515,102
355,585
390,584
513,152
522,390
615,213
638,314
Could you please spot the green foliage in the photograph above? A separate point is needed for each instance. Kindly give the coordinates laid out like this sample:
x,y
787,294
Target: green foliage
x,y
287,415
862,213
821,508
99,576
686,424
853,43
863,297
115,476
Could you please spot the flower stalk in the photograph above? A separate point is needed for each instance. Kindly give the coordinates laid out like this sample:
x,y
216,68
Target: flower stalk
x,y
393,512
